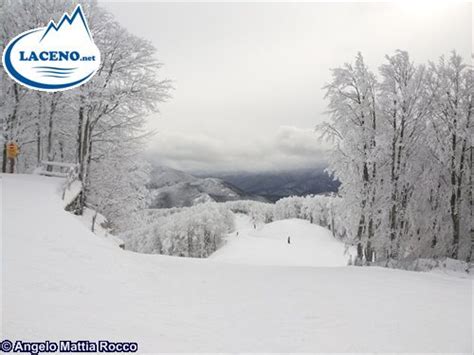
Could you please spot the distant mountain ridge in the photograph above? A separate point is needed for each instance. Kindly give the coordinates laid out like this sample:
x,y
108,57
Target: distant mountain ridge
x,y
279,184
175,188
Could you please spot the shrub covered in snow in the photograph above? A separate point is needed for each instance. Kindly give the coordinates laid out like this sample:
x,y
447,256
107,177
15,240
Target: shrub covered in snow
x,y
193,232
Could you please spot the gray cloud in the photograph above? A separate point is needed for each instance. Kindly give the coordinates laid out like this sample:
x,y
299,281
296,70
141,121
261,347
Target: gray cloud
x,y
247,74
287,148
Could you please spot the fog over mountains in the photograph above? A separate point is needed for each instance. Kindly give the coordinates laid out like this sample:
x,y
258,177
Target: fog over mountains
x,y
277,184
175,188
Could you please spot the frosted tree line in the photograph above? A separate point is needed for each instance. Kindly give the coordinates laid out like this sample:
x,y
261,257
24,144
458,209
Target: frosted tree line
x,y
199,230
195,231
403,153
99,125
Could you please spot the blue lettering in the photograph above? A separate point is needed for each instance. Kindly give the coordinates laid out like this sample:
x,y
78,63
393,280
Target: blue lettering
x,y
50,56
74,56
43,55
63,55
33,56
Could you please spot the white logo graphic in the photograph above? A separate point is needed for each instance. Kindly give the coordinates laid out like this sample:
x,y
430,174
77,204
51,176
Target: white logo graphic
x,y
53,58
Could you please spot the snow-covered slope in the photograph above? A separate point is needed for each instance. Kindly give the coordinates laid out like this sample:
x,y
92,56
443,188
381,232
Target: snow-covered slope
x,y
62,282
310,245
175,188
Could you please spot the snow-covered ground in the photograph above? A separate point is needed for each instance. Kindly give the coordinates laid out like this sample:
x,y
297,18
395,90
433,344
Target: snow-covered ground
x,y
59,281
310,245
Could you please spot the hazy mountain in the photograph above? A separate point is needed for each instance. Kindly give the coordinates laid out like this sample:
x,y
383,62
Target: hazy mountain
x,y
275,185
175,188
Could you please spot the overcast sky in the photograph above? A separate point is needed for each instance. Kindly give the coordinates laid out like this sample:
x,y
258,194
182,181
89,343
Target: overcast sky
x,y
248,76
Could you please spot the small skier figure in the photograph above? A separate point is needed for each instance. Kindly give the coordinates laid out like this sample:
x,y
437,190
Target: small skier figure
x,y
289,241
254,226
237,234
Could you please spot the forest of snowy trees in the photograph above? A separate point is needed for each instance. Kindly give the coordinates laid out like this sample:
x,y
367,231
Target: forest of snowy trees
x,y
99,125
403,153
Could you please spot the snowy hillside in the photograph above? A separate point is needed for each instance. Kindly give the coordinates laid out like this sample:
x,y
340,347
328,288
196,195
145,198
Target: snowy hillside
x,y
174,188
62,282
310,245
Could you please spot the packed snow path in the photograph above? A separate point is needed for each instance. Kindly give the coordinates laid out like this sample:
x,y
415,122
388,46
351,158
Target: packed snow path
x,y
254,244
62,282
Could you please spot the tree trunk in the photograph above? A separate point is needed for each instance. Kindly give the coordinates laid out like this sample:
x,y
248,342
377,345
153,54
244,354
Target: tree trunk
x,y
82,129
4,158
9,127
93,222
84,163
360,232
471,251
38,130
454,198
11,168
50,153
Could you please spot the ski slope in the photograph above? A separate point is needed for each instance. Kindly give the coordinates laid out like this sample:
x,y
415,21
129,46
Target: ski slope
x,y
310,245
59,281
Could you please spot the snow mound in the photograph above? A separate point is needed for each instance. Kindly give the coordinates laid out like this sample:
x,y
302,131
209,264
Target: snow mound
x,y
71,192
310,245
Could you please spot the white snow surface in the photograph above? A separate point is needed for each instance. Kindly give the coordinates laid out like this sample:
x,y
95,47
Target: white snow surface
x,y
310,245
71,192
99,230
60,281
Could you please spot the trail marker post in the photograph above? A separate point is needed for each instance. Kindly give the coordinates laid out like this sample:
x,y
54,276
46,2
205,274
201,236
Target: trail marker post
x,y
12,153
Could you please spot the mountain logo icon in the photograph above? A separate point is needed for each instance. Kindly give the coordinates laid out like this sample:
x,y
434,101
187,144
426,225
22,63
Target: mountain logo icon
x,y
57,57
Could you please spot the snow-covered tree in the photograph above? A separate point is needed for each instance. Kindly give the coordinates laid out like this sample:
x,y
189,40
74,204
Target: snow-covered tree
x,y
403,153
354,119
405,105
191,232
451,147
99,125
